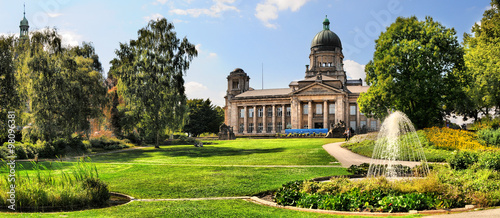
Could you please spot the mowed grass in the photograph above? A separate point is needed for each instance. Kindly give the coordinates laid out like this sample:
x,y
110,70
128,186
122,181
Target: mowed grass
x,y
281,151
225,168
209,209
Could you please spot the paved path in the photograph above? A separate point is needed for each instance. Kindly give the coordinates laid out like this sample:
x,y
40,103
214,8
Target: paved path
x,y
348,158
492,213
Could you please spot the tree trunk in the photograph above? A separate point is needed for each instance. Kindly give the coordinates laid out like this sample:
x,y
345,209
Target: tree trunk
x,y
157,138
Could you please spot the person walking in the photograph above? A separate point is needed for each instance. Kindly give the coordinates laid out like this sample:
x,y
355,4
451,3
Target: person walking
x,y
347,133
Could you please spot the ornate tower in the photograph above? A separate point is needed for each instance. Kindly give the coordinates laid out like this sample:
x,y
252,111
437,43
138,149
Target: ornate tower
x,y
326,56
24,26
237,82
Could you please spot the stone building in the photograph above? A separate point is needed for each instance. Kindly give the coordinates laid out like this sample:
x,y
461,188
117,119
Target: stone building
x,y
324,97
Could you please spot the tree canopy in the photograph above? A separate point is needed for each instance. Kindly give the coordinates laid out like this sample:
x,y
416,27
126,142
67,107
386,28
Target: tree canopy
x,y
482,59
203,117
150,74
417,69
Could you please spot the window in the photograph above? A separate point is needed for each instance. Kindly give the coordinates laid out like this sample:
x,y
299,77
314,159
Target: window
x,y
362,124
288,111
250,128
236,84
269,112
279,111
250,112
278,127
306,127
240,130
260,127
352,124
242,113
269,127
319,108
331,109
260,112
352,110
305,110
373,125
288,125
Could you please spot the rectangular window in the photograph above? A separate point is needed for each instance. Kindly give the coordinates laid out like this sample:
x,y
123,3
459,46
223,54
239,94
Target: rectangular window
x,y
288,111
306,109
352,124
279,111
250,128
250,112
306,127
269,127
331,109
373,125
278,127
352,110
269,112
260,112
288,125
319,108
240,130
242,113
362,124
260,127
235,84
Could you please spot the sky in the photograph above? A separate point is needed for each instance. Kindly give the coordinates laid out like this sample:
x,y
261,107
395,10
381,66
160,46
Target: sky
x,y
269,39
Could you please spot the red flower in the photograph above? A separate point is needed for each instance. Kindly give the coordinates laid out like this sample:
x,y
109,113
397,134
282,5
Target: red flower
x,y
390,204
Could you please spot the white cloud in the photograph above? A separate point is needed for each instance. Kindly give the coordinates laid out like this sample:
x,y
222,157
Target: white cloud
x,y
268,10
212,55
198,48
215,10
52,15
70,38
153,17
354,70
195,89
162,1
203,52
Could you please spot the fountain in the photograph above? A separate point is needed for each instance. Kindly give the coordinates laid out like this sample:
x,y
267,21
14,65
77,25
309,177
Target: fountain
x,y
397,148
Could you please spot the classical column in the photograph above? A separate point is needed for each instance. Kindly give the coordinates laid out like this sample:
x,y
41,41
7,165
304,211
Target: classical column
x,y
325,114
283,114
357,117
274,120
310,115
254,119
245,119
299,116
264,124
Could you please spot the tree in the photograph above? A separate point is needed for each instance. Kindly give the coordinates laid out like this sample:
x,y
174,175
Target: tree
x,y
63,88
203,117
417,69
482,59
9,99
150,71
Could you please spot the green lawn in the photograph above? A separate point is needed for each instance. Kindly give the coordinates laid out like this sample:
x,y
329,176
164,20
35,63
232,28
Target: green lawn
x,y
224,168
212,208
301,151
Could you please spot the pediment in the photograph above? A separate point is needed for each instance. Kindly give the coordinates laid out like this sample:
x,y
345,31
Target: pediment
x,y
317,89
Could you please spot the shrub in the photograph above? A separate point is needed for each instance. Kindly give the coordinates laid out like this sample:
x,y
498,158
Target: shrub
x,y
489,160
362,169
106,143
490,136
462,159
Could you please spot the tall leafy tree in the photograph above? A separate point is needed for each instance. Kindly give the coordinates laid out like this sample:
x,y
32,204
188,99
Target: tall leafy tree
x,y
482,59
416,68
203,117
150,71
63,87
9,98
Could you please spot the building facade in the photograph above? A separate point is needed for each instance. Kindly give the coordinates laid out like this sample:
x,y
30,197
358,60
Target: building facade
x,y
324,97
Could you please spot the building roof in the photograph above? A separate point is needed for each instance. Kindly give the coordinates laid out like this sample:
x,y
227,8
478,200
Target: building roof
x,y
265,92
358,89
326,37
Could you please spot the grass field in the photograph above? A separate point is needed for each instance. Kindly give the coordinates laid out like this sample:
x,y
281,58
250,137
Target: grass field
x,y
241,167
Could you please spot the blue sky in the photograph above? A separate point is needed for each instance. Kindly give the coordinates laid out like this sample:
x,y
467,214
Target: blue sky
x,y
228,34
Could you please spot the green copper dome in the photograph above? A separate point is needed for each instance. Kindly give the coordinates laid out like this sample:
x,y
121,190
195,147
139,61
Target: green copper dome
x,y
24,22
326,39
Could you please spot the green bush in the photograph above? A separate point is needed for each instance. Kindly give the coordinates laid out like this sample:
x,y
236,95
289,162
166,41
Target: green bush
x,y
460,160
362,169
490,136
107,143
489,160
